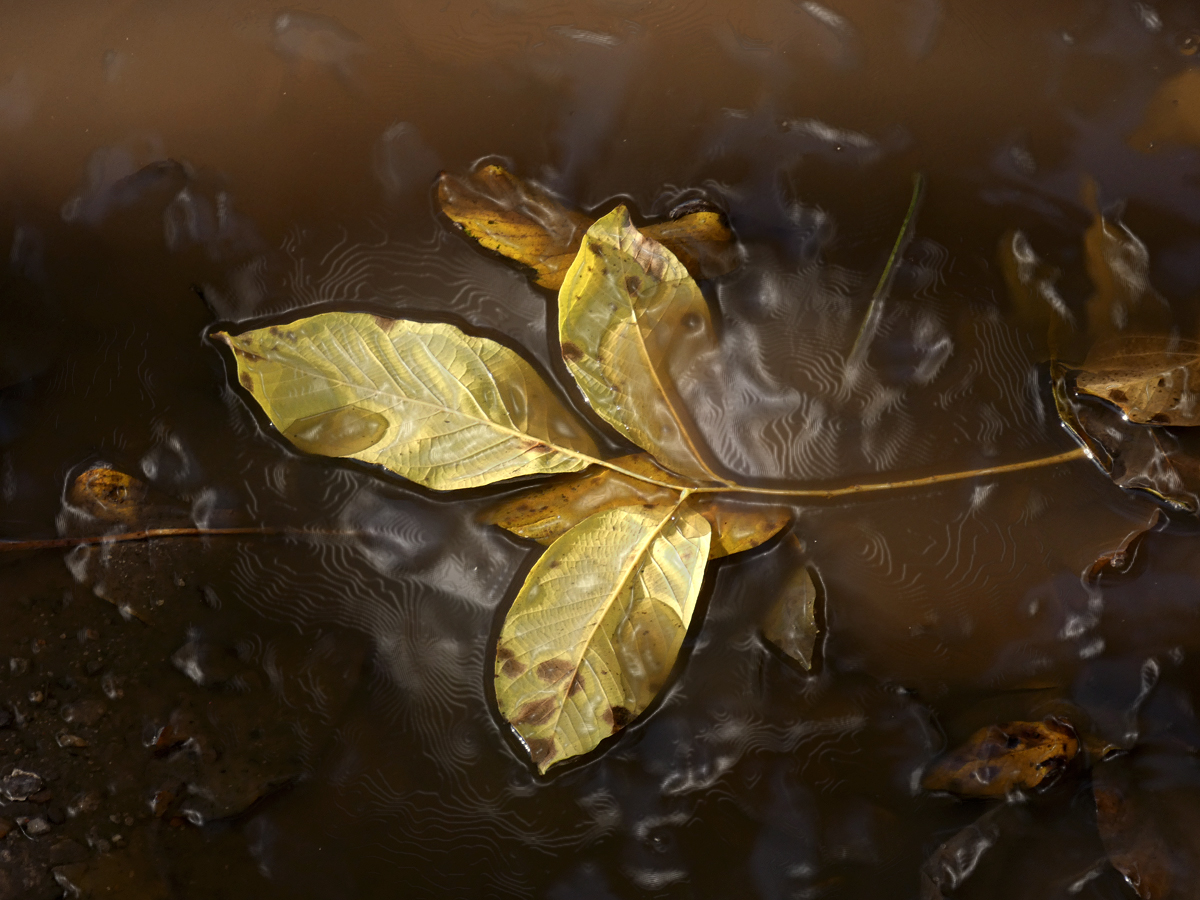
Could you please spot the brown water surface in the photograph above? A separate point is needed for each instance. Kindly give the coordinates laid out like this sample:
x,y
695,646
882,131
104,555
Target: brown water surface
x,y
313,715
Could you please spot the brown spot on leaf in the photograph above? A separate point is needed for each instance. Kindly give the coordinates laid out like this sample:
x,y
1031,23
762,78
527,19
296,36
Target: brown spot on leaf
x,y
247,381
571,352
535,712
552,671
618,717
596,248
1118,396
633,284
383,322
510,666
541,749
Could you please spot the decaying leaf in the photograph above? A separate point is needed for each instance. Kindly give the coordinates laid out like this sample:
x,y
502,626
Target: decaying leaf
x,y
525,223
1152,379
440,407
108,495
1119,266
516,219
1039,308
1121,557
595,629
629,317
1134,841
1135,457
547,512
1002,758
791,622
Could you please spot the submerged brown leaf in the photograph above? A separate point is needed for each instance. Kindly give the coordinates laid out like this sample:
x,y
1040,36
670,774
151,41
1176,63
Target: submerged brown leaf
x,y
594,632
791,622
527,224
1151,379
1118,265
1135,840
630,318
1121,557
1002,758
547,512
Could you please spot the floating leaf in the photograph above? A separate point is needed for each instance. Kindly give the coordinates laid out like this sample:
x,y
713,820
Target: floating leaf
x,y
1119,266
423,399
1001,758
546,513
629,317
1151,379
791,622
1121,557
595,629
525,223
1135,457
109,495
516,219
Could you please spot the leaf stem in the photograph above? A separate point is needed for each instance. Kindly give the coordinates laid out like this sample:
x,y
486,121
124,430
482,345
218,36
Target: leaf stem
x,y
871,321
148,533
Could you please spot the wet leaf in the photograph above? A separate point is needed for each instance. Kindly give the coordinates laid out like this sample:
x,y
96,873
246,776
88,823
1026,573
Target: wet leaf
x,y
1135,457
629,318
525,223
1134,837
423,399
516,219
1118,265
1120,558
1149,378
1038,307
595,629
108,495
547,512
1002,758
791,622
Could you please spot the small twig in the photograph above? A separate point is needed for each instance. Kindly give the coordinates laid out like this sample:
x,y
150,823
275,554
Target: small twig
x,y
871,321
148,533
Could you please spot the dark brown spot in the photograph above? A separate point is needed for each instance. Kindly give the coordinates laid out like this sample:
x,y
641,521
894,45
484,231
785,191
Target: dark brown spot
x,y
247,381
576,685
633,284
541,749
571,352
535,712
247,355
618,717
552,671
596,248
383,322
510,666
1118,396
539,448
1160,419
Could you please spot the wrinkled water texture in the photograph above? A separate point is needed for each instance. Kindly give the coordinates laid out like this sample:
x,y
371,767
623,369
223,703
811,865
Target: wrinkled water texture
x,y
168,169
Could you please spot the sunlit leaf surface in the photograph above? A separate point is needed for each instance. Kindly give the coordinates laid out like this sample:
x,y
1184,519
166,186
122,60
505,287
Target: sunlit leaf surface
x,y
525,223
1002,758
427,401
595,629
1153,380
547,512
629,318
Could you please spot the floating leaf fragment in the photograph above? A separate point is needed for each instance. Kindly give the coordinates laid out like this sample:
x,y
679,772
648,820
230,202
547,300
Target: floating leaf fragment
x,y
109,495
791,622
998,759
1154,380
527,224
593,633
440,407
547,512
1121,557
629,319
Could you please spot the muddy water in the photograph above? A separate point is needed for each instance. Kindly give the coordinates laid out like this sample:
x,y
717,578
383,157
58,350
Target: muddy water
x,y
168,168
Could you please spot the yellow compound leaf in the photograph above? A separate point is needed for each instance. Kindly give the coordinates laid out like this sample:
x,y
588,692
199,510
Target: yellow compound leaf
x,y
547,512
999,759
594,632
1153,380
525,223
629,319
440,407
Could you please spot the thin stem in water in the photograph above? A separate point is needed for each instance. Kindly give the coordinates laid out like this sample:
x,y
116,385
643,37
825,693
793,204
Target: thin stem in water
x,y
146,534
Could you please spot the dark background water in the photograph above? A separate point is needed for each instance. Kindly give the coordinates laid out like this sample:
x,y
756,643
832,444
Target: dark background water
x,y
168,167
